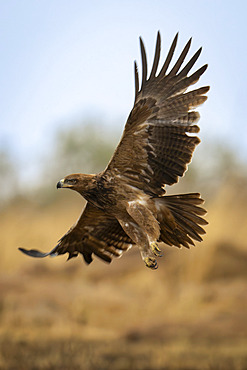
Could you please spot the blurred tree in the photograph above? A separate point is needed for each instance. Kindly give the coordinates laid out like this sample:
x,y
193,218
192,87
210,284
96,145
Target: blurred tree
x,y
9,176
217,165
83,148
213,164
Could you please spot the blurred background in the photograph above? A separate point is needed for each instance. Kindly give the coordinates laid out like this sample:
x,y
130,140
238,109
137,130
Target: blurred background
x,y
66,89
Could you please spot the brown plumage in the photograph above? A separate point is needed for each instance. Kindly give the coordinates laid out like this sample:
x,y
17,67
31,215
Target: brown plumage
x,y
126,203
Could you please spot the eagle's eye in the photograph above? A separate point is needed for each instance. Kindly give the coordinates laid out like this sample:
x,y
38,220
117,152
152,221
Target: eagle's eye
x,y
71,181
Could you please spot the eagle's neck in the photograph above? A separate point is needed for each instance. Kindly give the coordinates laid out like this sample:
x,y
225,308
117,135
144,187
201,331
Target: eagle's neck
x,y
87,184
97,190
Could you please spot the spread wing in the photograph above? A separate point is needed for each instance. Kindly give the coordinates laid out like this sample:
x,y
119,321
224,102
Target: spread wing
x,y
155,147
95,232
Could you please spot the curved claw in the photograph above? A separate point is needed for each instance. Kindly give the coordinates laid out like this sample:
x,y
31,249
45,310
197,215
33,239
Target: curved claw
x,y
151,263
156,250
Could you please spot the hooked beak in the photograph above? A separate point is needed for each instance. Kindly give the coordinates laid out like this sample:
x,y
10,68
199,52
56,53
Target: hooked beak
x,y
60,184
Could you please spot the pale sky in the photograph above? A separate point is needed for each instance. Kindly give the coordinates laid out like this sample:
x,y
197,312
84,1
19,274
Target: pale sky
x,y
61,60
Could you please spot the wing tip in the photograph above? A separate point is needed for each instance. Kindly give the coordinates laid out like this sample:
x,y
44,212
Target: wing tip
x,y
205,89
136,79
34,253
141,41
156,56
144,62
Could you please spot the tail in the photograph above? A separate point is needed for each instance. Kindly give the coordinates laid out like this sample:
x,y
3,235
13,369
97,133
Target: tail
x,y
179,218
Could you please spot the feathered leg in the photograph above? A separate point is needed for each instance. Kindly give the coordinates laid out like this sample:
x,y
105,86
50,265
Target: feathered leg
x,y
143,228
134,231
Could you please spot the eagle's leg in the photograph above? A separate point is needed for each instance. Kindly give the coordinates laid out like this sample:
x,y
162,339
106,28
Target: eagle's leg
x,y
134,231
143,228
145,218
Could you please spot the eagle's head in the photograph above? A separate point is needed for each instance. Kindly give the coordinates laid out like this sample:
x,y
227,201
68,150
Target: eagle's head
x,y
77,181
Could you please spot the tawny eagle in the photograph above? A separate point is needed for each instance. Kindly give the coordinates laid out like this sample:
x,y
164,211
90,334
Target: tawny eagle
x,y
126,203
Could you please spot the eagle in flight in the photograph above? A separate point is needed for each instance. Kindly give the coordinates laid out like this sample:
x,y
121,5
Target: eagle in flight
x,y
126,203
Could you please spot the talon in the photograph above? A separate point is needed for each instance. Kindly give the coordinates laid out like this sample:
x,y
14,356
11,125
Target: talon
x,y
151,263
156,250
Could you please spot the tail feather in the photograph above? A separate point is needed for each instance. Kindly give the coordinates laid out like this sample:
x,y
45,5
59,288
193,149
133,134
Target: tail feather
x,y
180,219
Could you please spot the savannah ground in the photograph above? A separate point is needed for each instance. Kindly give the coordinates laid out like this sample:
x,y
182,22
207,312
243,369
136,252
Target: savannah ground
x,y
191,313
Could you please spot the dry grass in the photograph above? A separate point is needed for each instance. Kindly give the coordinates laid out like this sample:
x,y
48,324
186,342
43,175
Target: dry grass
x,y
189,314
